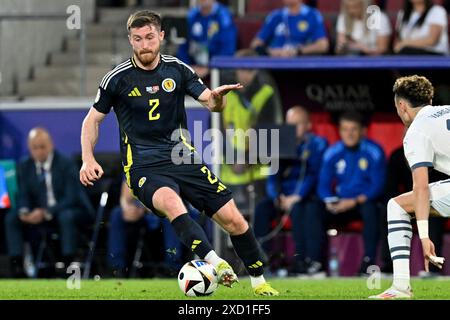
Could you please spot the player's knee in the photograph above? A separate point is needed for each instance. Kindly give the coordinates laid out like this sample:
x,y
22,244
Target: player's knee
x,y
236,224
172,208
168,202
394,210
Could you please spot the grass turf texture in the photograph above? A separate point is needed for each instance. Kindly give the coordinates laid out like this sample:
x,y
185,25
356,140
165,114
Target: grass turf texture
x,y
167,289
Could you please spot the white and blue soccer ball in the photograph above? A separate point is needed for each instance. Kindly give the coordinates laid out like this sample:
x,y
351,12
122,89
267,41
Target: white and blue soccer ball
x,y
197,278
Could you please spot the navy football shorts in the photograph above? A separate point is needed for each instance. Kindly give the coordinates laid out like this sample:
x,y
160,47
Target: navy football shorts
x,y
194,183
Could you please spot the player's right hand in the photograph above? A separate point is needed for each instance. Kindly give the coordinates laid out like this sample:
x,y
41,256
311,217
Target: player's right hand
x,y
429,254
90,172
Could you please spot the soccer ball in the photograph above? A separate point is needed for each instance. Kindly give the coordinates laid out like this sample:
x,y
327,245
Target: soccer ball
x,y
197,278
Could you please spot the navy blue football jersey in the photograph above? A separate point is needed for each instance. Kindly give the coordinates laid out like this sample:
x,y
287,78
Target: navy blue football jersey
x,y
149,106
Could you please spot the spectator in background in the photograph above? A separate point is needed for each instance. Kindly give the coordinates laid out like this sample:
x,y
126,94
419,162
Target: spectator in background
x,y
126,222
49,194
258,103
296,29
211,32
355,36
422,28
400,181
292,189
351,182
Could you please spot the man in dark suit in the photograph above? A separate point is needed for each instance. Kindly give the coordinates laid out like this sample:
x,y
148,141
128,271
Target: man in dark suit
x,y
49,195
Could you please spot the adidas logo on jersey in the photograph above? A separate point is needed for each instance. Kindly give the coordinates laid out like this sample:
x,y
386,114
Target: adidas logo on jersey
x,y
135,93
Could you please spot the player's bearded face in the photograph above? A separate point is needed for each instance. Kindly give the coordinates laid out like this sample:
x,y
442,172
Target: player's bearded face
x,y
147,56
146,43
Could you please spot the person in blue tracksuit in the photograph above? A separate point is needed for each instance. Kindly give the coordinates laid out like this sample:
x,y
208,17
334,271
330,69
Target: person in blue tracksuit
x,y
211,32
296,29
292,189
351,182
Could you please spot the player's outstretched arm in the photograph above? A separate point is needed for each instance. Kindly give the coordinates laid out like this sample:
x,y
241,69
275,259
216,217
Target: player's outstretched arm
x,y
90,170
215,99
421,193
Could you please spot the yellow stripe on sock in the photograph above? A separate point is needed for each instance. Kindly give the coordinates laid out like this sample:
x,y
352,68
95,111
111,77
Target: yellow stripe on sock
x,y
195,243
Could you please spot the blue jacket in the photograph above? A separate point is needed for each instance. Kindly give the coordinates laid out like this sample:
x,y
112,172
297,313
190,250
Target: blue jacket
x,y
67,188
290,178
353,172
281,28
216,32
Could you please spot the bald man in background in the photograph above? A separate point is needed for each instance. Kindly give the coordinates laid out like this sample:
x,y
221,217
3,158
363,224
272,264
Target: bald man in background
x,y
49,195
292,190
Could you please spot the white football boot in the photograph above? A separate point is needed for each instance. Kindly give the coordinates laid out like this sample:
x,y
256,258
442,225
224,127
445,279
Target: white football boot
x,y
393,293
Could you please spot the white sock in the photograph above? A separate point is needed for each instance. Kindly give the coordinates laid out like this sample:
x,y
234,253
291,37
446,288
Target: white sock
x,y
399,238
213,258
256,281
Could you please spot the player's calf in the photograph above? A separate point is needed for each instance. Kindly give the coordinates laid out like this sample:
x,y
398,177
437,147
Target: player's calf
x,y
192,235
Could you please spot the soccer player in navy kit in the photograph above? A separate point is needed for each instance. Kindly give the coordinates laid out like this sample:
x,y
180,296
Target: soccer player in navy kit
x,y
147,93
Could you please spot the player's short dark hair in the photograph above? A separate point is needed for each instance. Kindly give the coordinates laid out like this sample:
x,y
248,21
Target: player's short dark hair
x,y
353,116
417,90
143,18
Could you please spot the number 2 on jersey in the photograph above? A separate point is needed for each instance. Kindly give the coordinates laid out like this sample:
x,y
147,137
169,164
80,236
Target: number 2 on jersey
x,y
213,180
208,172
154,103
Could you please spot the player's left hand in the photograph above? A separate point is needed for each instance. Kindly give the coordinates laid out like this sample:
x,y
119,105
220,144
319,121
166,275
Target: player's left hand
x,y
219,92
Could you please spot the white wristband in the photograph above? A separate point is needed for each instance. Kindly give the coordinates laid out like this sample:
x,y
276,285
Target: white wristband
x,y
422,228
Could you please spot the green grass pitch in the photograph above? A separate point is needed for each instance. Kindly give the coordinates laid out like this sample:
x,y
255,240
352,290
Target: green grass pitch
x,y
167,289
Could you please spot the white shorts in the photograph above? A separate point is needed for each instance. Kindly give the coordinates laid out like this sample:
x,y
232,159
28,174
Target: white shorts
x,y
440,197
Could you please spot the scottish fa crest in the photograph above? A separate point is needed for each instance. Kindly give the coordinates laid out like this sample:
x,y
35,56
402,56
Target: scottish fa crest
x,y
142,181
168,85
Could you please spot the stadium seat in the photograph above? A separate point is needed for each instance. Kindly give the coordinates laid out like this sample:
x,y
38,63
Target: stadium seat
x,y
247,30
394,5
330,27
323,126
355,226
287,225
382,123
263,6
327,6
